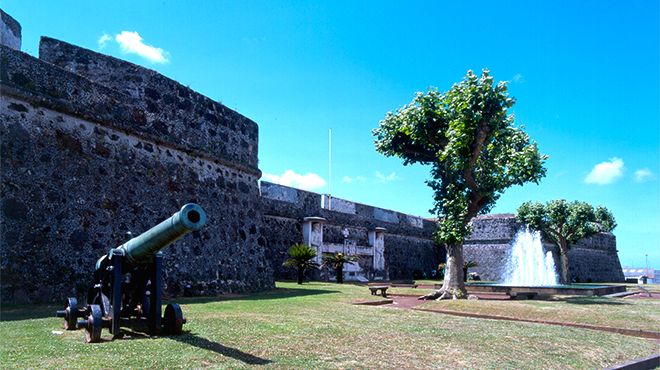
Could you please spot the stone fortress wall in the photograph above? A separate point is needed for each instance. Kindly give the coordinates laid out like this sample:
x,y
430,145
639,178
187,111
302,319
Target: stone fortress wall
x,y
93,147
408,246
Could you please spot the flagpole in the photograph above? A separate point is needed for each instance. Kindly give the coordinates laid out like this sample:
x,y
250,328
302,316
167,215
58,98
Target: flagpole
x,y
330,168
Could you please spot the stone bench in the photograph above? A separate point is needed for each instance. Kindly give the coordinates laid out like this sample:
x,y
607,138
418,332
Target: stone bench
x,y
375,288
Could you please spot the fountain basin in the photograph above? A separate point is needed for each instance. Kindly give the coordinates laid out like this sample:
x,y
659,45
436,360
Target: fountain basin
x,y
572,289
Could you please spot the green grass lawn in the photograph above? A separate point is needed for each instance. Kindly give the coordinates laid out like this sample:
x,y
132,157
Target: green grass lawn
x,y
315,326
637,314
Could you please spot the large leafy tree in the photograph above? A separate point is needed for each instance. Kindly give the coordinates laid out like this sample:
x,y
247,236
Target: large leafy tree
x,y
564,223
475,152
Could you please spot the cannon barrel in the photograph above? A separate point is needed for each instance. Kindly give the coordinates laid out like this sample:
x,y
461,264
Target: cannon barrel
x,y
190,218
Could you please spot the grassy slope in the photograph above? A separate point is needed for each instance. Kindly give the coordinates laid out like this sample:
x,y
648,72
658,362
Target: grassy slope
x,y
315,326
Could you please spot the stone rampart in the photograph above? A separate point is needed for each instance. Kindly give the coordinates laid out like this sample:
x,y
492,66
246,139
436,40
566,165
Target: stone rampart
x,y
163,110
409,248
83,162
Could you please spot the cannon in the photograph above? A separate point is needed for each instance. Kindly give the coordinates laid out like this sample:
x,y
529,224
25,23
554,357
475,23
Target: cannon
x,y
127,284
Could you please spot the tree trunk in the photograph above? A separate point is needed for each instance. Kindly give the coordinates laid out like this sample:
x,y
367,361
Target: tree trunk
x,y
301,275
565,276
453,286
340,274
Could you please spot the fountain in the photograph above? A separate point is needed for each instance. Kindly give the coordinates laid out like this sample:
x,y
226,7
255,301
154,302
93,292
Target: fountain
x,y
528,269
527,264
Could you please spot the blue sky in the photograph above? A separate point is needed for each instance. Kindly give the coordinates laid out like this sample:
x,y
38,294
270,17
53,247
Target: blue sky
x,y
585,75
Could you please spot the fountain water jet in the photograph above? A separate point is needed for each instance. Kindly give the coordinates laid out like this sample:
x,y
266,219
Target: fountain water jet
x,y
527,264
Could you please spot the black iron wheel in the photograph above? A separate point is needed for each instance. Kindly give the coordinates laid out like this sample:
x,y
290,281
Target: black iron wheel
x,y
173,319
94,324
70,314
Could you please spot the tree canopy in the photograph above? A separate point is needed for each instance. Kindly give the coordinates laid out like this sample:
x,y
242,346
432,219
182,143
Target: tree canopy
x,y
570,221
468,137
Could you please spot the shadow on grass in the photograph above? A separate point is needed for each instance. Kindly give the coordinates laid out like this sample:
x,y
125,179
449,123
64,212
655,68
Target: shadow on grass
x,y
26,312
203,343
593,301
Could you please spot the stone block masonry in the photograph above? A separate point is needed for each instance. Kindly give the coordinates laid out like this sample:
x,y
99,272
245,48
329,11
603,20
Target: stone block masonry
x,y
162,109
83,162
408,246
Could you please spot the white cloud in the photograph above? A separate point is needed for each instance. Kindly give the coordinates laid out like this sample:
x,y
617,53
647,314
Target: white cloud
x,y
350,180
605,172
103,40
131,43
643,174
309,181
383,179
518,78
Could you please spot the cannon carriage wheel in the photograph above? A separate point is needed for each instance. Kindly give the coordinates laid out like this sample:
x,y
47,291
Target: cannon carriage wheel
x,y
173,319
70,314
93,324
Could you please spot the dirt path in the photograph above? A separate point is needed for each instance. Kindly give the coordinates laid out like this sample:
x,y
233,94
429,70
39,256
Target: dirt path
x,y
401,301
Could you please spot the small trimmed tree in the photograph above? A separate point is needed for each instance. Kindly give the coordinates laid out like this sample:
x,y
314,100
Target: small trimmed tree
x,y
301,257
564,223
336,261
475,152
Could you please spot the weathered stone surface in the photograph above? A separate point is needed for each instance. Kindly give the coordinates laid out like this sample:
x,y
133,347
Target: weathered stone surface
x,y
76,176
162,109
10,31
409,249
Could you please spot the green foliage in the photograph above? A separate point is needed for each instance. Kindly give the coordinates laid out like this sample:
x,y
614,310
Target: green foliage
x,y
566,222
301,257
337,260
469,139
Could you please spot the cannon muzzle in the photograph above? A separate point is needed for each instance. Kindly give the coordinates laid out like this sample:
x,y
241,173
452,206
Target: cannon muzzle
x,y
190,218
